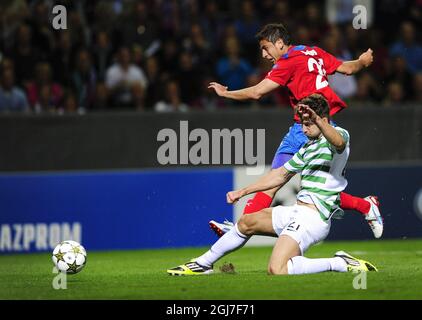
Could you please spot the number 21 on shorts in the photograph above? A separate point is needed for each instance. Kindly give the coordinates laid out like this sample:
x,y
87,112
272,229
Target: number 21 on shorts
x,y
293,226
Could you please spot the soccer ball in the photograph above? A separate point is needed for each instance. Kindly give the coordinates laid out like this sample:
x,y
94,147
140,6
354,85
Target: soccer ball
x,y
69,256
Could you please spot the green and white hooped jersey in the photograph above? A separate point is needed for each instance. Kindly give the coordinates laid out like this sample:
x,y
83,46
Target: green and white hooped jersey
x,y
322,173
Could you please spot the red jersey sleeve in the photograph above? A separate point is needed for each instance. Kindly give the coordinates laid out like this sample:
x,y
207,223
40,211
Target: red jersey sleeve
x,y
280,73
331,63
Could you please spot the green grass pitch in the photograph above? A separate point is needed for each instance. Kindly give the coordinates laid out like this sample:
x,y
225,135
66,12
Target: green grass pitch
x,y
141,275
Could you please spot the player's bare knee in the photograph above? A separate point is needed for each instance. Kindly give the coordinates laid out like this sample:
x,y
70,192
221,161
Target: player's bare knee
x,y
274,269
277,269
246,224
284,270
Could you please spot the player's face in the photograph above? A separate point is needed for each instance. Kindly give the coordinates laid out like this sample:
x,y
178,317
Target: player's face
x,y
311,130
271,51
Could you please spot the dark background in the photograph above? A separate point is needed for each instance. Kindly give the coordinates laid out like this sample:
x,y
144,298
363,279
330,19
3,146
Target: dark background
x,y
129,140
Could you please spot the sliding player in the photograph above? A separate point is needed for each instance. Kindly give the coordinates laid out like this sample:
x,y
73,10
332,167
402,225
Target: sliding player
x,y
321,162
304,71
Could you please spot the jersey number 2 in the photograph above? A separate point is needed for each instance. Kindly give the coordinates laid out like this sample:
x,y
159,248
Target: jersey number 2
x,y
320,82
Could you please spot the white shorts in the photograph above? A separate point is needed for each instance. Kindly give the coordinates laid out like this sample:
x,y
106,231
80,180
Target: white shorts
x,y
301,223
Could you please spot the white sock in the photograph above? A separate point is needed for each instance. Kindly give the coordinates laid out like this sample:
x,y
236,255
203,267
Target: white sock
x,y
302,265
229,242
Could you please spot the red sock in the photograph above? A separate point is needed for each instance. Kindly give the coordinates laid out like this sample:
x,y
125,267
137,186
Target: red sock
x,y
259,201
350,202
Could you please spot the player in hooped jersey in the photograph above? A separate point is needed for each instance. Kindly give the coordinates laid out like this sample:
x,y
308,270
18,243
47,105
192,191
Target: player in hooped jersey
x,y
303,70
320,162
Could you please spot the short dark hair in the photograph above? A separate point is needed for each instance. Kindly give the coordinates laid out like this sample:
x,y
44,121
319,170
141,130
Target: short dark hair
x,y
318,103
272,32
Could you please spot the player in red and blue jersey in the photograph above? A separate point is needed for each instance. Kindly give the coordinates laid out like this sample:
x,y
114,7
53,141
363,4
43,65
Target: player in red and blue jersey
x,y
303,70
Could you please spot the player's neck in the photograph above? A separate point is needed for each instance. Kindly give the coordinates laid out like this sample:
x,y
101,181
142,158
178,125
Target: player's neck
x,y
286,49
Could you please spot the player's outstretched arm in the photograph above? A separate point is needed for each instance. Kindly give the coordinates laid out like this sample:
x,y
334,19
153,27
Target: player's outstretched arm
x,y
275,178
354,66
255,92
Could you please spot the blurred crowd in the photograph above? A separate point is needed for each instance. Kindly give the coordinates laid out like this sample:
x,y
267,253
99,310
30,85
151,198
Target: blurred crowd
x,y
161,54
